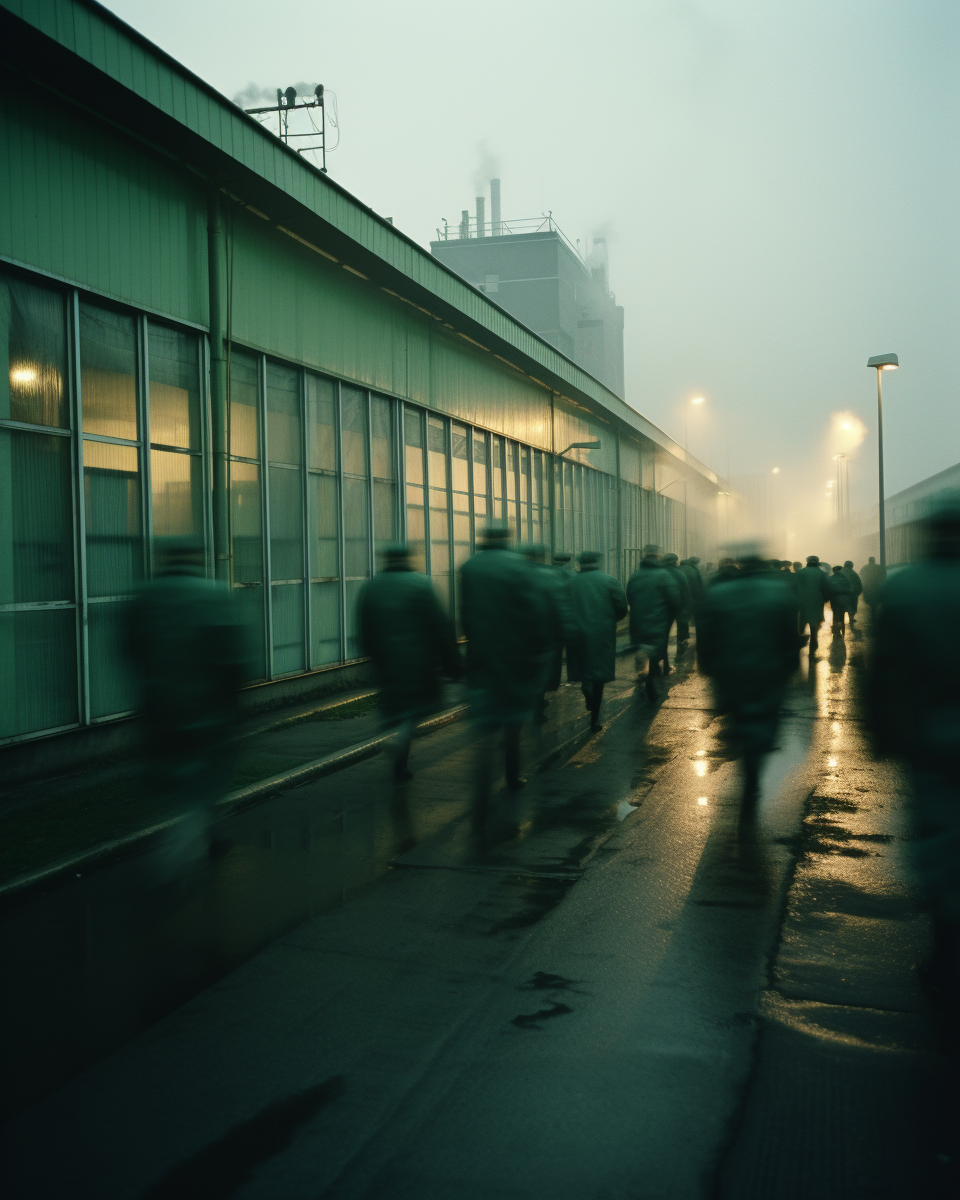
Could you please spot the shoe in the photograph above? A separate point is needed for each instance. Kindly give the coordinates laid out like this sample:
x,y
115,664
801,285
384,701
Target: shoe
x,y
595,726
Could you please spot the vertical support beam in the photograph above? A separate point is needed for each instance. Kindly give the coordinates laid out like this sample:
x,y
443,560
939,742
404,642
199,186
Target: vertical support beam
x,y
216,282
143,423
80,513
265,514
621,574
305,500
371,524
400,458
341,535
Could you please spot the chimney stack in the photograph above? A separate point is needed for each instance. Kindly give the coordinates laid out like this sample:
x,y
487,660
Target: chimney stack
x,y
495,207
464,222
481,217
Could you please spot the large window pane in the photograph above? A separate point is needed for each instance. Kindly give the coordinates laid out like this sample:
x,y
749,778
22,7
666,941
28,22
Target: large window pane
x,y
324,527
247,548
283,414
108,367
287,624
244,405
112,686
356,523
354,648
36,527
353,415
321,422
413,445
174,366
384,471
38,659
325,598
286,523
176,486
33,349
111,495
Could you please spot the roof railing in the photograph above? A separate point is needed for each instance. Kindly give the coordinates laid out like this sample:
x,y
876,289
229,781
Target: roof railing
x,y
470,228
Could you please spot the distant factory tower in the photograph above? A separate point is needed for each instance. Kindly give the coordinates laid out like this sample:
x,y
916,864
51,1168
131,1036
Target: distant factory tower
x,y
533,271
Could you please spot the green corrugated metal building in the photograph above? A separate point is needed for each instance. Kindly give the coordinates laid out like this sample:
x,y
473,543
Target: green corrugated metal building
x,y
207,337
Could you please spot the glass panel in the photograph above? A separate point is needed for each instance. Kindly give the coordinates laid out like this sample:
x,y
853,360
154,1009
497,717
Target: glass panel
x,y
326,624
111,497
36,526
244,401
113,688
458,457
174,367
247,549
286,524
108,365
354,649
287,624
437,452
499,481
283,414
480,455
461,528
176,485
356,526
324,554
353,417
415,521
38,651
381,438
321,422
384,511
510,484
33,345
413,443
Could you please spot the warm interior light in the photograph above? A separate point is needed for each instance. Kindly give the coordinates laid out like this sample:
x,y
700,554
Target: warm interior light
x,y
702,801
776,471
23,375
697,400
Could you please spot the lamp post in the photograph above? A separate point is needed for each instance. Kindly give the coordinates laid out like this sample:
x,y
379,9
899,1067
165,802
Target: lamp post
x,y
881,363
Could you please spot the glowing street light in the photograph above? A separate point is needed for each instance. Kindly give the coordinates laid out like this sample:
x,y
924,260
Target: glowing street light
x,y
686,416
881,363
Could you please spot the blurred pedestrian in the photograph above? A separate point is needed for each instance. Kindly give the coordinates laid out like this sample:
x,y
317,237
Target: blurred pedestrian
x,y
670,564
598,603
840,595
856,588
691,571
747,643
914,714
409,636
726,571
654,599
562,627
873,577
811,596
506,621
186,640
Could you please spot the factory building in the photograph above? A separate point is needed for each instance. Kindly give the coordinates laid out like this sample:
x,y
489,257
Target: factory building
x,y
205,337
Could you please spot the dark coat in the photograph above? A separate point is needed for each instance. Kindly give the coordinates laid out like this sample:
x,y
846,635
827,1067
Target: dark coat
x,y
655,601
564,630
598,603
409,636
507,621
839,592
747,643
694,582
683,587
872,575
854,580
811,595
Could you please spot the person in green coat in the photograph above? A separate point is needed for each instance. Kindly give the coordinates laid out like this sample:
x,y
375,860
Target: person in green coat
x,y
913,710
507,622
840,594
186,640
873,577
811,595
562,631
856,586
670,563
748,644
654,599
408,634
598,603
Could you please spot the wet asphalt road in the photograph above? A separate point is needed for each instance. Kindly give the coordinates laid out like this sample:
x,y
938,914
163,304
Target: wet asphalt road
x,y
634,999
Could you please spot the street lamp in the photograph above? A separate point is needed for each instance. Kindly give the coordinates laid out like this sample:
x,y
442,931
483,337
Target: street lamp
x,y
882,362
580,446
686,419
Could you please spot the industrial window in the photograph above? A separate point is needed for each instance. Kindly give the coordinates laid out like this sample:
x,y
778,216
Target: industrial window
x,y
323,509
284,442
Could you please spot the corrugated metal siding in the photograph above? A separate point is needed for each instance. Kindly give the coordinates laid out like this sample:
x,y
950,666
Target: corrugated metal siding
x,y
79,204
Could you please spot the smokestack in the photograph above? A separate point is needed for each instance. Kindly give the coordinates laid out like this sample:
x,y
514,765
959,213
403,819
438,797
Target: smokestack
x,y
481,217
495,207
464,222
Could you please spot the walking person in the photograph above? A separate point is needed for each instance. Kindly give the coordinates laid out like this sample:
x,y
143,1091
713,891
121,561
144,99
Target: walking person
x,y
682,618
873,577
598,603
562,628
506,622
811,596
654,599
408,634
840,595
748,644
187,642
856,587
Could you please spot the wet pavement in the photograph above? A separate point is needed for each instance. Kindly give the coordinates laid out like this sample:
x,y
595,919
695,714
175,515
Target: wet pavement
x,y
632,998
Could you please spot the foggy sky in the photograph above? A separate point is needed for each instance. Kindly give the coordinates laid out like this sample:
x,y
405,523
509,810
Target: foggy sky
x,y
777,182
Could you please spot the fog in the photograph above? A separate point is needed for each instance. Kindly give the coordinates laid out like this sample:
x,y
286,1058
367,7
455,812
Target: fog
x,y
776,182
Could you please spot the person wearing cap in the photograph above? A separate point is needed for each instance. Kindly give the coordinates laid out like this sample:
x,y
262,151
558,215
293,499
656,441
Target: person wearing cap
x,y
670,564
186,640
913,709
748,644
654,598
562,626
726,570
872,576
691,570
410,638
840,593
598,603
507,623
811,595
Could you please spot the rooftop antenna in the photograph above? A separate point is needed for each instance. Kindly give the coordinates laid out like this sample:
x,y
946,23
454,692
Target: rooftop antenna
x,y
287,100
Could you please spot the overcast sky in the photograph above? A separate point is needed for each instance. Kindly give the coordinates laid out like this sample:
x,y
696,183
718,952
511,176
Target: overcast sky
x,y
777,181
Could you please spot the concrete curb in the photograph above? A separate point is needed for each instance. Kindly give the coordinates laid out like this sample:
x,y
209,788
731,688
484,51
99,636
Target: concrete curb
x,y
245,797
